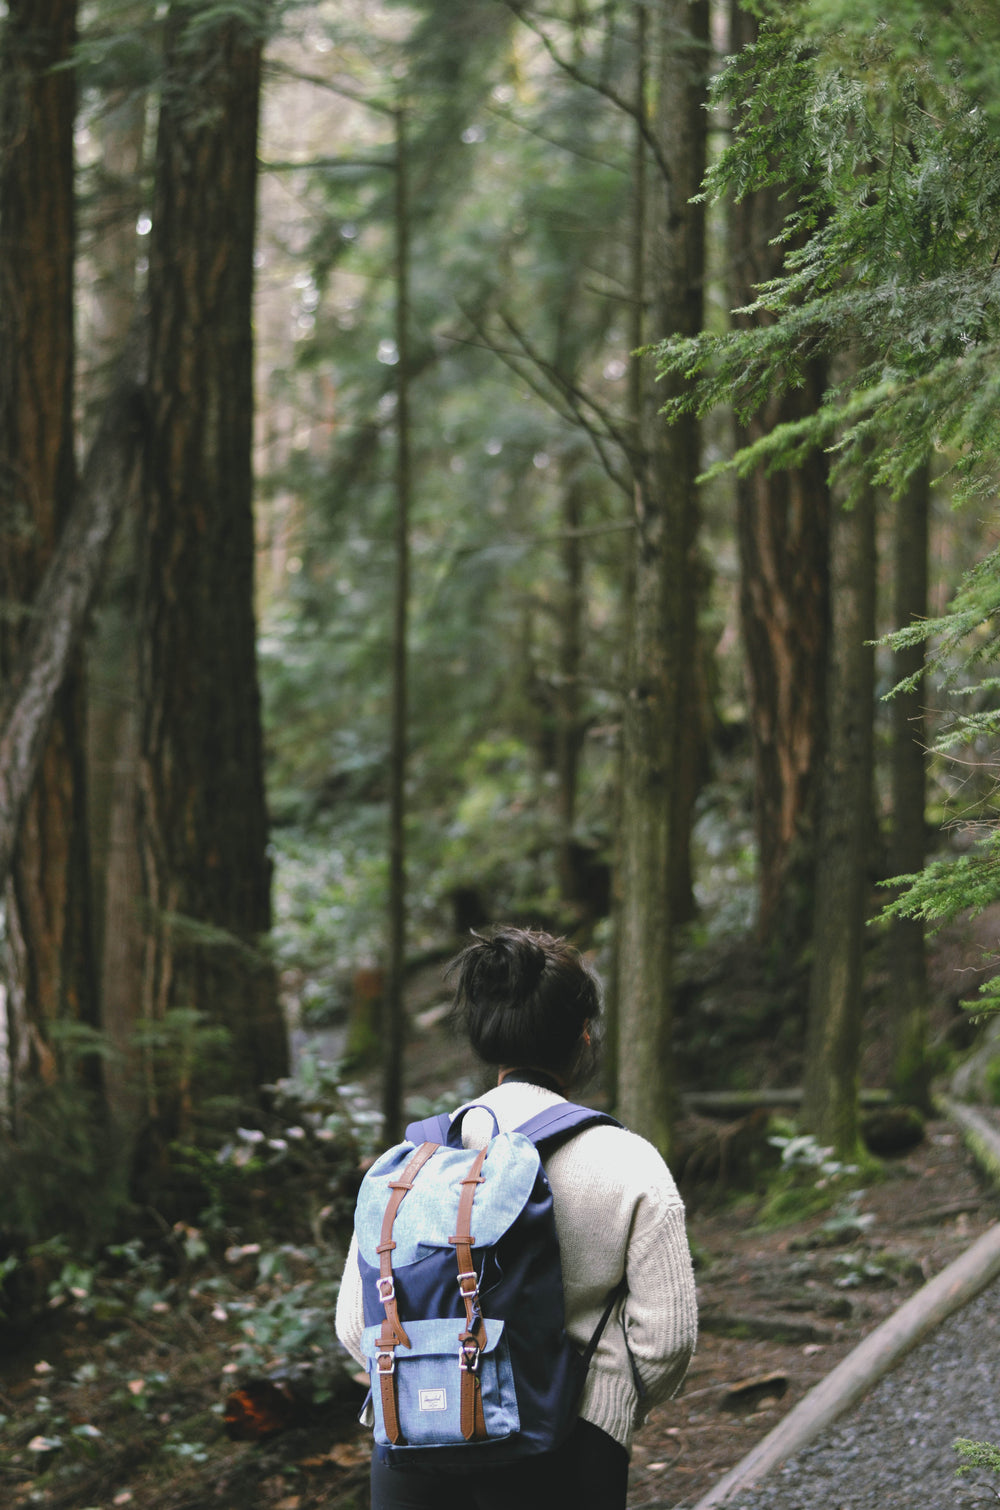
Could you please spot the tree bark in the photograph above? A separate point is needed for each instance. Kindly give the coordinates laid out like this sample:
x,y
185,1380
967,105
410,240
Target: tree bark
x,y
112,248
830,1082
907,849
783,538
569,726
48,963
663,617
202,819
394,1015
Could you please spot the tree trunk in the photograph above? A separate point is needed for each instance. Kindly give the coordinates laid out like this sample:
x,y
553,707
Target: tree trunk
x,y
637,462
911,1072
663,618
569,726
394,1014
830,1084
783,537
112,662
202,819
48,963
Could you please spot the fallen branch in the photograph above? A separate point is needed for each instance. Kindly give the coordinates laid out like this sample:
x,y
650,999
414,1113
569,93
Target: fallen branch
x,y
731,1103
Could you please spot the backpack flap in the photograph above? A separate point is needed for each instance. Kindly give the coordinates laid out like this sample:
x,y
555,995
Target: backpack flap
x,y
426,1221
428,1383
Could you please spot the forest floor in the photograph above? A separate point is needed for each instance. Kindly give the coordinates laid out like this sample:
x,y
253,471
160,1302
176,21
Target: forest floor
x,y
96,1417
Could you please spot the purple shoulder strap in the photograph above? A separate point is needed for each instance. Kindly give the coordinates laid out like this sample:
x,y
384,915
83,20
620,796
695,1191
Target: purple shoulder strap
x,y
553,1123
437,1129
429,1130
559,1121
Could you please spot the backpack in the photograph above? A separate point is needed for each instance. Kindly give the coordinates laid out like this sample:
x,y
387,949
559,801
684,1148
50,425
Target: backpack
x,y
464,1340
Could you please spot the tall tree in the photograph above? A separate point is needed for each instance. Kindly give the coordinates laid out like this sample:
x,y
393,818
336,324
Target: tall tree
x,y
908,847
833,1046
783,539
394,1016
111,243
202,819
664,610
48,964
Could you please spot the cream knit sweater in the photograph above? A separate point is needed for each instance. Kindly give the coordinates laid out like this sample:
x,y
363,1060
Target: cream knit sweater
x,y
617,1212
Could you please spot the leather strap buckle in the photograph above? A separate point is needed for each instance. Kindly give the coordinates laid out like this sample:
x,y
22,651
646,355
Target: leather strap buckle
x,y
379,1359
386,1286
469,1353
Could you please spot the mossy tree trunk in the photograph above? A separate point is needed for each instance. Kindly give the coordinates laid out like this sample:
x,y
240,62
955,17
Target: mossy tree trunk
x,y
112,683
830,1081
907,849
201,819
664,608
394,1021
48,957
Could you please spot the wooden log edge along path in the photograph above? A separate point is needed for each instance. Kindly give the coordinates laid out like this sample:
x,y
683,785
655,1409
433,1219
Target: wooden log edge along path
x,y
883,1348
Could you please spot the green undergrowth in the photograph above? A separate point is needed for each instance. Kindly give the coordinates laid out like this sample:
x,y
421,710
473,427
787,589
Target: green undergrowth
x,y
115,1391
810,1180
977,1455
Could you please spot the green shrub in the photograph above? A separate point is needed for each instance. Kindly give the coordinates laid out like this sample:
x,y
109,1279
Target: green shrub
x,y
977,1455
809,1179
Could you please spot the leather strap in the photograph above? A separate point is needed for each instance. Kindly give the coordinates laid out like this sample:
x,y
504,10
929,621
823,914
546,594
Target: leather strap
x,y
392,1333
472,1340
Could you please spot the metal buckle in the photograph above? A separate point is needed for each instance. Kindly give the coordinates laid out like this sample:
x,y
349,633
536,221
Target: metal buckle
x,y
378,1363
468,1274
468,1356
386,1289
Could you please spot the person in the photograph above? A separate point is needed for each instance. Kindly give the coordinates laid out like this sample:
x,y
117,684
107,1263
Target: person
x,y
530,1007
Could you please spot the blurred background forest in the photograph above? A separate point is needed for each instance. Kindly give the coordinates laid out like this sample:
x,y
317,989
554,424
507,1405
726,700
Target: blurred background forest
x,y
356,591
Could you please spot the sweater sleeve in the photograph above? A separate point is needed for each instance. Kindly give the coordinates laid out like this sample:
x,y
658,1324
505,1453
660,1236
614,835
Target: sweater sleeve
x,y
661,1317
349,1317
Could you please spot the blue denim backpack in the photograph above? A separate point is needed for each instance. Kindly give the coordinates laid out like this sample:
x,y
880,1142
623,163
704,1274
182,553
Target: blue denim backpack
x,y
469,1360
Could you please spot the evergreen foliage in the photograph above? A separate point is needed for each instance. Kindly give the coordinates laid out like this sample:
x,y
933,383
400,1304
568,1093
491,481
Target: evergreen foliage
x,y
885,128
520,185
977,1455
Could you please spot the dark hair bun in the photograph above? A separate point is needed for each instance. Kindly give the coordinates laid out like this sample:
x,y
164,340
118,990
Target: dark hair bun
x,y
523,998
510,964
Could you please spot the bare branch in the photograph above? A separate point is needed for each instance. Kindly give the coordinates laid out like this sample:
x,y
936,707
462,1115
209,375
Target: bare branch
x,y
286,71
575,396
559,395
573,72
325,162
590,157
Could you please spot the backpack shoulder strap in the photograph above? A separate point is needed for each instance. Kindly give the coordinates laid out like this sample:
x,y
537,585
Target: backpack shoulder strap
x,y
558,1122
429,1130
437,1129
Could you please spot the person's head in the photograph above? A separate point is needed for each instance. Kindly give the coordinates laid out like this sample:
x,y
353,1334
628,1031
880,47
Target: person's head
x,y
526,999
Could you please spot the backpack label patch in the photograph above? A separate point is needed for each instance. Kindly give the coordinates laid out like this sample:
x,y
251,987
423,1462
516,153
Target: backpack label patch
x,y
433,1399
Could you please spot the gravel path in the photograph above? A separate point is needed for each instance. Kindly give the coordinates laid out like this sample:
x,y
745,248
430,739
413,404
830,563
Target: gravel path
x,y
895,1452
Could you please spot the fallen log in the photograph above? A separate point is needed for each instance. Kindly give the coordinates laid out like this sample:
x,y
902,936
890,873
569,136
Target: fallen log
x,y
882,1349
733,1103
981,1137
774,1327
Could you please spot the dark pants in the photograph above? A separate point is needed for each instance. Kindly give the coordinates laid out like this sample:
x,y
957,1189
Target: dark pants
x,y
588,1472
